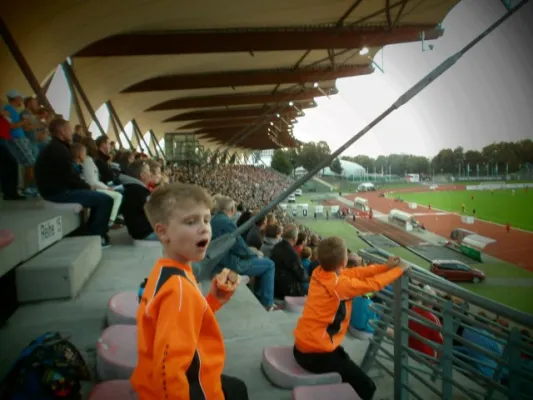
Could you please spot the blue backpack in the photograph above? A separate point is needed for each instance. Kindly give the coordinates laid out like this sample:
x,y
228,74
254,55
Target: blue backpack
x,y
49,368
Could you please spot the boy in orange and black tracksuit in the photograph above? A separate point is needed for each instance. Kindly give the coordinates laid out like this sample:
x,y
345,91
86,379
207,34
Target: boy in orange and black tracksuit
x,y
180,346
326,314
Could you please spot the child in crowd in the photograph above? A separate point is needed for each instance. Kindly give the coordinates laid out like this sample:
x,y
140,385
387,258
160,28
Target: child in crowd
x,y
327,311
180,346
272,238
155,171
79,153
305,257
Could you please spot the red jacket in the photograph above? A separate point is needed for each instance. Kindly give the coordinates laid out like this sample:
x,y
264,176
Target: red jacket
x,y
428,333
4,128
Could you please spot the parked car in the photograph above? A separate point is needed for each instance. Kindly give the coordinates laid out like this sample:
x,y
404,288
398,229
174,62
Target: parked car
x,y
298,192
456,271
292,198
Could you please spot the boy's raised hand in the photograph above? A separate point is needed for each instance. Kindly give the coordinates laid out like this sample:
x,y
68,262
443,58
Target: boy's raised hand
x,y
393,262
224,284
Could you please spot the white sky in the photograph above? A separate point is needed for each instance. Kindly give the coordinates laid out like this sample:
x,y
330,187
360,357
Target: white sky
x,y
485,97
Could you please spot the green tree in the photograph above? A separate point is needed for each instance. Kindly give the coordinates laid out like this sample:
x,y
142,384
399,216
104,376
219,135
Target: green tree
x,y
281,162
312,153
336,166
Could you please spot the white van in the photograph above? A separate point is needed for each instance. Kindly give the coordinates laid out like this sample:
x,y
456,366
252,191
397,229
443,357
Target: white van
x,y
298,192
291,198
366,187
361,204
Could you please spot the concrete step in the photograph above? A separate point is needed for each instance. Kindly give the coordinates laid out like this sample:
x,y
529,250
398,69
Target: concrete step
x,y
60,271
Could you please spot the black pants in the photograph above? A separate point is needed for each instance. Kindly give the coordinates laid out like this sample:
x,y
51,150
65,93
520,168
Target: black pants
x,y
338,361
233,388
9,173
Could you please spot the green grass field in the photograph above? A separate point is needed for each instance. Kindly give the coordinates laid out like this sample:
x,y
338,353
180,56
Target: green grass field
x,y
500,206
512,296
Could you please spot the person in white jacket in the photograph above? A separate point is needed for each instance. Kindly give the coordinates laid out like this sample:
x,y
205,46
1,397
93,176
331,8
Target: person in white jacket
x,y
89,173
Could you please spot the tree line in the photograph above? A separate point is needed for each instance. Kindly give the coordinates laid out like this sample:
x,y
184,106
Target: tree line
x,y
494,159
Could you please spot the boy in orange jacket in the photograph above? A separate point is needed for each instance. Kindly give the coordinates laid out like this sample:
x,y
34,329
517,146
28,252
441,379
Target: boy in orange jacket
x,y
180,346
326,314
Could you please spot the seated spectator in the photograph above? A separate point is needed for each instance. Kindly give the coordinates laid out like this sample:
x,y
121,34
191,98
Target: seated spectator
x,y
256,233
327,311
300,243
9,173
124,160
313,241
102,160
79,134
291,278
155,172
272,237
58,181
241,258
487,341
433,335
314,261
305,256
245,216
90,175
134,198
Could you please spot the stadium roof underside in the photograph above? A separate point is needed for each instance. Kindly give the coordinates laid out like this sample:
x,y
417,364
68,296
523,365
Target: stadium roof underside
x,y
207,67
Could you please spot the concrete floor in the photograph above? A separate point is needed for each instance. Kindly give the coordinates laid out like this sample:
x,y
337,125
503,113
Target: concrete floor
x,y
246,326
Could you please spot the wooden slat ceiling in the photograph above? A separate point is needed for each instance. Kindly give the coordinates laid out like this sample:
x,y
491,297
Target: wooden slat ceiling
x,y
208,67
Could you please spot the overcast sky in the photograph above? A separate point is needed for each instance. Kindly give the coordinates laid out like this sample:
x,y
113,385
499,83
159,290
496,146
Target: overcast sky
x,y
485,97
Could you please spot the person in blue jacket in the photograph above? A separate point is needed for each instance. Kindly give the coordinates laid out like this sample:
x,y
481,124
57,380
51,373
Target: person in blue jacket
x,y
243,259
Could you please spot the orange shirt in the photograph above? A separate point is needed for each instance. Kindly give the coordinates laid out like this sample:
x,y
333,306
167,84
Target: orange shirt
x,y
327,311
178,339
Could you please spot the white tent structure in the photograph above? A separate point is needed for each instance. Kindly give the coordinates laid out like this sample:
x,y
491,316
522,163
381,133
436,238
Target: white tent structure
x,y
348,169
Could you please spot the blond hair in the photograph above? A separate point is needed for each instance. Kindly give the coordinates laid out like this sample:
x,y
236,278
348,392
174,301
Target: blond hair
x,y
163,201
332,253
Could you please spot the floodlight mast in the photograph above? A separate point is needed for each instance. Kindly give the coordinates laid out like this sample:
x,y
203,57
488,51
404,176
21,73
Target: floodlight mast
x,y
403,99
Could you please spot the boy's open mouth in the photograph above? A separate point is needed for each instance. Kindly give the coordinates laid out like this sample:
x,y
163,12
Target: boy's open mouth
x,y
202,243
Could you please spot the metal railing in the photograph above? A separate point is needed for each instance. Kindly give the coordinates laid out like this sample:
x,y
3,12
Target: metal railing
x,y
476,356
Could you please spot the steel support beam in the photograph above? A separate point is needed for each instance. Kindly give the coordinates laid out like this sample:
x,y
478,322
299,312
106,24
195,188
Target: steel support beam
x,y
140,136
71,76
246,78
222,114
114,115
76,102
114,125
154,138
304,96
223,123
23,65
252,40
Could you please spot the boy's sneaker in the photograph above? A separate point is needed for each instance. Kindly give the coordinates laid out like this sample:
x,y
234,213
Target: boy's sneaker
x,y
105,242
273,307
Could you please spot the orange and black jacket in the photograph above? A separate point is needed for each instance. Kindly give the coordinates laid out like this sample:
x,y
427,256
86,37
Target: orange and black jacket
x,y
180,345
326,314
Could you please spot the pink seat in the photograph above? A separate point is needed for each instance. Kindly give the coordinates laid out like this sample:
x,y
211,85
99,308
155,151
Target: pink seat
x,y
295,304
116,390
122,309
6,237
116,352
282,370
340,391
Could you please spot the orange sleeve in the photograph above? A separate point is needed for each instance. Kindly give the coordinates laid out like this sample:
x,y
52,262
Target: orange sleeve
x,y
213,302
176,338
365,272
348,287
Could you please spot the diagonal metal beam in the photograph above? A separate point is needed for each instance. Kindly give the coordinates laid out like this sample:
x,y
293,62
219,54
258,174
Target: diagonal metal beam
x,y
246,78
253,40
225,113
114,115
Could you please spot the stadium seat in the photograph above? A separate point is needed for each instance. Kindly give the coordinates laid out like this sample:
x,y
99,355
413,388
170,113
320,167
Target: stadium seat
x,y
147,243
116,352
6,237
122,309
116,390
282,370
295,304
339,391
74,207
